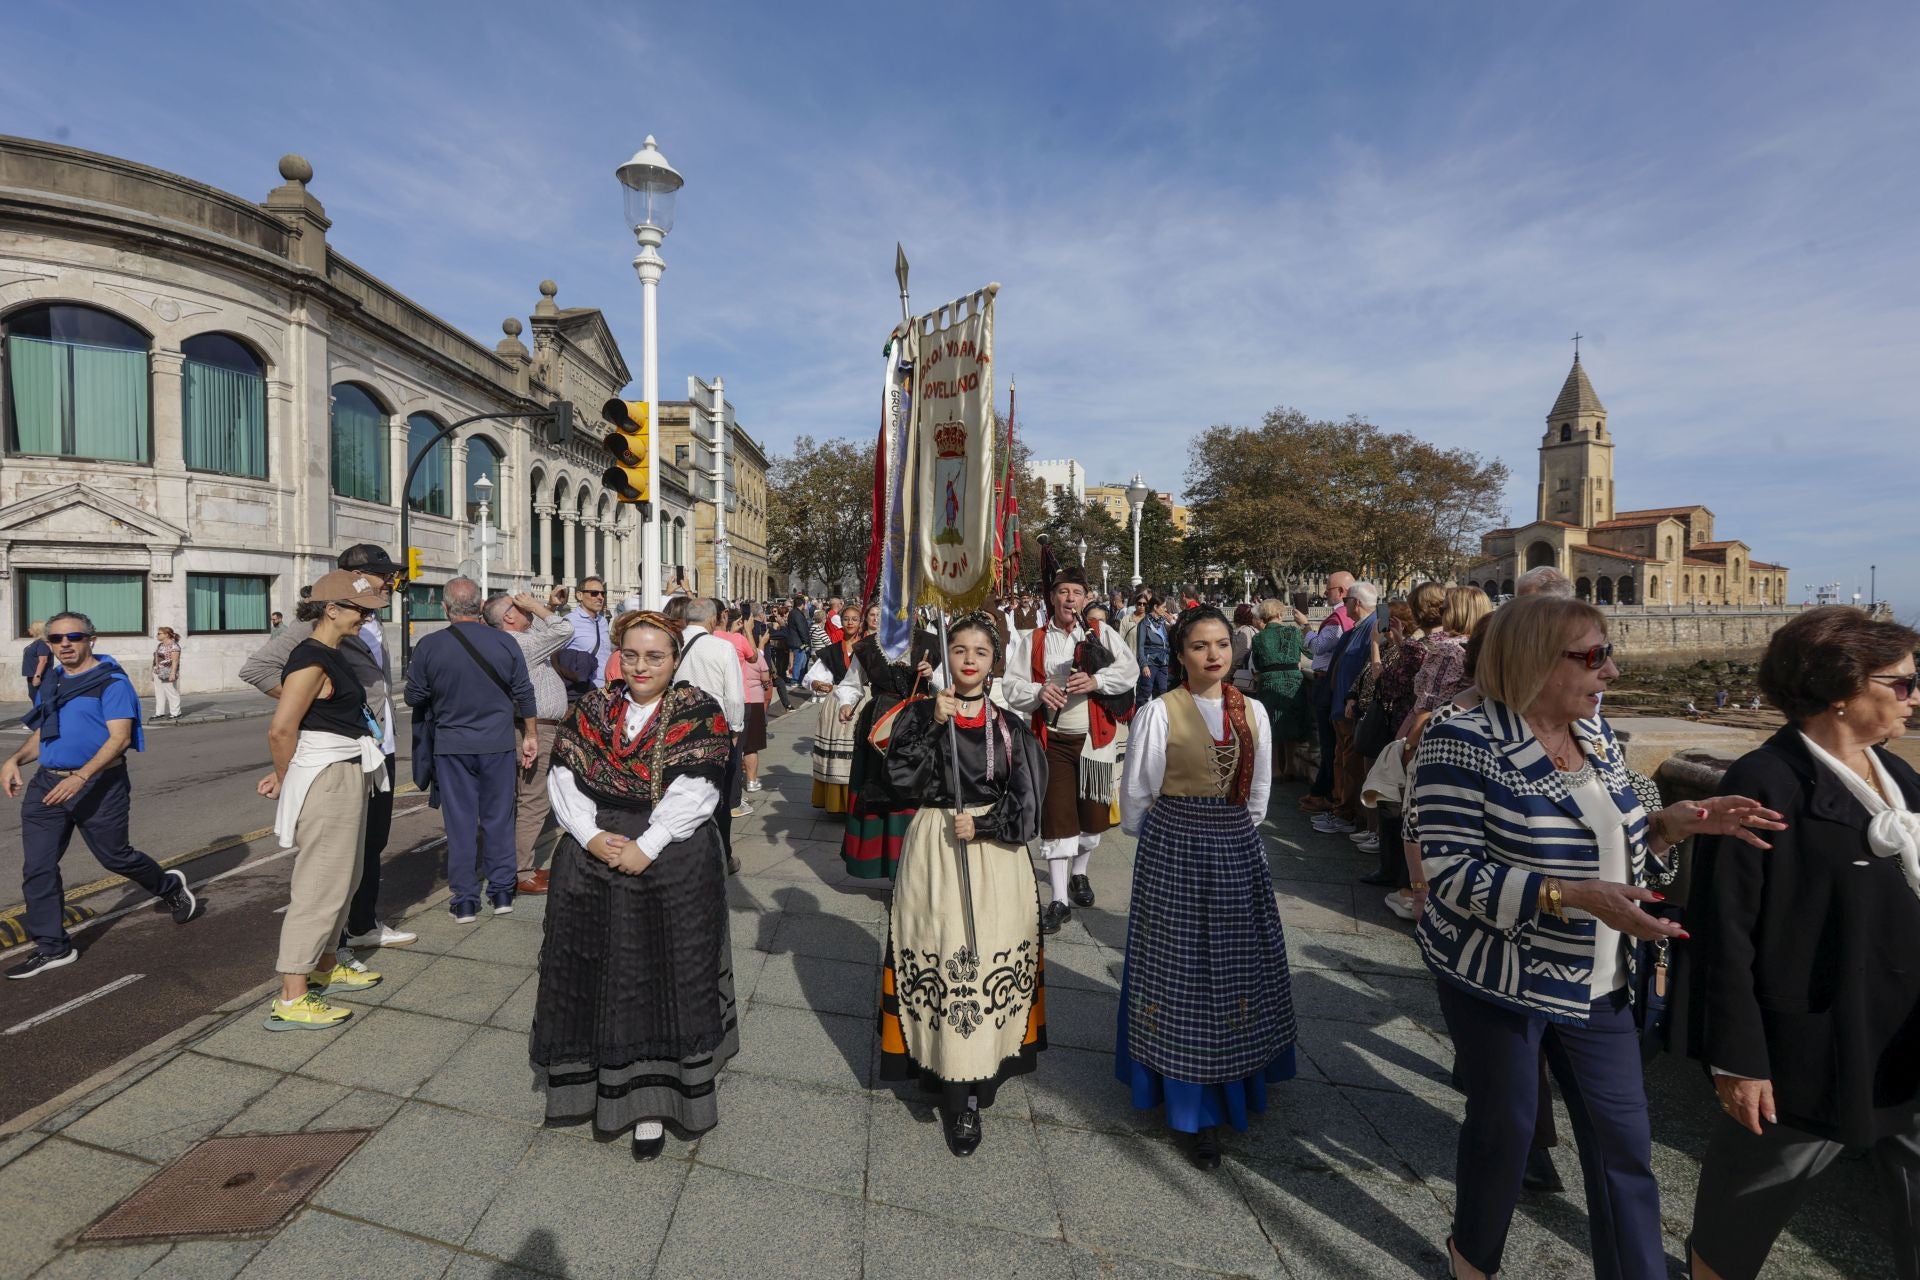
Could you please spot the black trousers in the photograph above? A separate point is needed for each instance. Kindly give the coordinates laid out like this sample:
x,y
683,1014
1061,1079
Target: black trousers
x,y
729,787
362,912
1750,1186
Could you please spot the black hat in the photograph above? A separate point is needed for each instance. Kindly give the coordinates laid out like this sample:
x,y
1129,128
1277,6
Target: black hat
x,y
368,558
1069,574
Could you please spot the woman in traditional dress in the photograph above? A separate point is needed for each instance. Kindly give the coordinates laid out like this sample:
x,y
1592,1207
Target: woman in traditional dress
x,y
634,1016
962,997
833,734
1206,1004
877,815
1279,685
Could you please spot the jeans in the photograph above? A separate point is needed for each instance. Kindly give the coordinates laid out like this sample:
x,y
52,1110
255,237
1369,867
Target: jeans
x,y
100,813
1152,684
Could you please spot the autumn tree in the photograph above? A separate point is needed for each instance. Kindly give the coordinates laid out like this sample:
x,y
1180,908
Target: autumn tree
x,y
1295,499
820,512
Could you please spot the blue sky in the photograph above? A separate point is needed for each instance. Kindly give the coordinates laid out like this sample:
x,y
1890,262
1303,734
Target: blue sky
x,y
1197,211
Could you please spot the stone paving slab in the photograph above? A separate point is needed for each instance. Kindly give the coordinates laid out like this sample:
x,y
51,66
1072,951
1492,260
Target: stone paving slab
x,y
813,1172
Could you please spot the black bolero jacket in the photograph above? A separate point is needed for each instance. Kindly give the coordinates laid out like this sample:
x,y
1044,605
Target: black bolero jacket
x,y
1805,960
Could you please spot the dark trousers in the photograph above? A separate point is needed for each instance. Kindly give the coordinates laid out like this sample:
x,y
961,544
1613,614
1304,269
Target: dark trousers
x,y
1322,695
476,799
729,788
1153,683
1751,1184
363,911
1497,1053
100,812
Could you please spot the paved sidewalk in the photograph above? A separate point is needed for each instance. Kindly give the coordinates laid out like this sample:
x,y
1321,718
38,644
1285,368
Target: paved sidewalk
x,y
195,708
813,1174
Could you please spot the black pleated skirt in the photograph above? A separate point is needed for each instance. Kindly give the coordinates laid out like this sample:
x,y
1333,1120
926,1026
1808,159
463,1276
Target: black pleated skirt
x,y
635,1012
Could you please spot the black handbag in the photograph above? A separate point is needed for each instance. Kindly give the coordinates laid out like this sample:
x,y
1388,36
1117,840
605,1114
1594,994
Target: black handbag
x,y
1374,733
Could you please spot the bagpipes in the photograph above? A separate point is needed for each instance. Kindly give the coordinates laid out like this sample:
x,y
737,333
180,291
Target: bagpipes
x,y
1092,657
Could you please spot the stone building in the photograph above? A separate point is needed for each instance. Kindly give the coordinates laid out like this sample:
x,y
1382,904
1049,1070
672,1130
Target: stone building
x,y
203,404
1112,498
735,568
1658,556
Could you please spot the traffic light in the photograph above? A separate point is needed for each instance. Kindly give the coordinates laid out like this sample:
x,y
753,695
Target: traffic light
x,y
627,443
558,422
414,559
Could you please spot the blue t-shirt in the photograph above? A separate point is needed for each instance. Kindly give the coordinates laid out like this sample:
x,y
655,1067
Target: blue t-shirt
x,y
83,720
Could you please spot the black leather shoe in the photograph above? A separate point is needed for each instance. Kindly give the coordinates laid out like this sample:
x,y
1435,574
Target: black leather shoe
x,y
1080,889
1540,1174
733,865
1205,1152
645,1149
963,1132
1056,914
1375,878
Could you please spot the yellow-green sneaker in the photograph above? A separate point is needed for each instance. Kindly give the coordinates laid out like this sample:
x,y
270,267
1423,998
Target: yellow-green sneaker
x,y
342,977
308,1013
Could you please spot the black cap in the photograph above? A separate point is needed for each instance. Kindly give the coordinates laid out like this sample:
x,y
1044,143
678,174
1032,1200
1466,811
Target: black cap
x,y
366,556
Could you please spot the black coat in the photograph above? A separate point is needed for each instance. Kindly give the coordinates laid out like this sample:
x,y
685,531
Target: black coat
x,y
1805,959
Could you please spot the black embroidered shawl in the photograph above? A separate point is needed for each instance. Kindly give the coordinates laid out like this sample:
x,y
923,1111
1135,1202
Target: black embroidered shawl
x,y
687,737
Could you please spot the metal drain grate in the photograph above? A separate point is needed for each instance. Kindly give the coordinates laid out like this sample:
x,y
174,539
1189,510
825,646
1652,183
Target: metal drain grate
x,y
227,1187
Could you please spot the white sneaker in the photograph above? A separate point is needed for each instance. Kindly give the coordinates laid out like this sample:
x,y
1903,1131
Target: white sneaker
x,y
1361,836
1330,825
741,810
1400,904
1370,844
754,785
382,936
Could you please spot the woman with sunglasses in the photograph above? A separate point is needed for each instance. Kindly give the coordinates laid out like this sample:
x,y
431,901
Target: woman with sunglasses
x,y
327,759
1539,845
1806,988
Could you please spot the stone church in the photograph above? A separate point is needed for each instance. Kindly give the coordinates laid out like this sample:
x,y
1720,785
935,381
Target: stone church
x,y
1662,556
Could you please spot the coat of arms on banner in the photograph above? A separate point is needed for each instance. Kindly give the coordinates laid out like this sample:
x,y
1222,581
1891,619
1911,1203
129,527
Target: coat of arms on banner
x,y
950,481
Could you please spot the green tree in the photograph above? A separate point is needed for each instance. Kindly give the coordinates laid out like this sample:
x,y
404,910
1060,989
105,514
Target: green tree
x,y
820,512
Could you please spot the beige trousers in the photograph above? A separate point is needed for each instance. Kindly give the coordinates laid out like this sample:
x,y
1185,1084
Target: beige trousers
x,y
326,870
531,813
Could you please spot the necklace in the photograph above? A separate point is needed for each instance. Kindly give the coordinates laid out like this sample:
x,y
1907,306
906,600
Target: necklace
x,y
1562,760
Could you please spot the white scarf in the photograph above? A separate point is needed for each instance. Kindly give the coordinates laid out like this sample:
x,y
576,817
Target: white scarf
x,y
1892,830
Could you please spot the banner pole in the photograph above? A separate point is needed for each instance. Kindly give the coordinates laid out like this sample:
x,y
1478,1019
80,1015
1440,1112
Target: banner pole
x,y
959,801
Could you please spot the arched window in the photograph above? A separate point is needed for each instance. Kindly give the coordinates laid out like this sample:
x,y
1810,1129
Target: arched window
x,y
600,536
77,385
359,437
1719,585
666,541
1653,588
483,459
1506,587
1626,590
1686,586
1603,591
581,504
536,527
223,405
429,492
1751,587
1583,589
1540,553
1669,551
1566,432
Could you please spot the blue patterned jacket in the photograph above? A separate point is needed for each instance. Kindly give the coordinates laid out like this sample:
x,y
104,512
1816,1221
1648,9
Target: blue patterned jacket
x,y
1494,819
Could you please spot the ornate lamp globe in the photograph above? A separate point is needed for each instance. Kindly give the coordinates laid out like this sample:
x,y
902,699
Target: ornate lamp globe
x,y
651,184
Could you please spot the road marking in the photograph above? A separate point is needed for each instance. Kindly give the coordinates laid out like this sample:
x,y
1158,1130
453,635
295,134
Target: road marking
x,y
72,1004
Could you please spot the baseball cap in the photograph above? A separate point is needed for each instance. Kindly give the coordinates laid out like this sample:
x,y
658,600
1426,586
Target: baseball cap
x,y
350,586
368,558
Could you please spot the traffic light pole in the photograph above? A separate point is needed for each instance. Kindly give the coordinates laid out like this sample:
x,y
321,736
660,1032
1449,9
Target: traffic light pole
x,y
558,417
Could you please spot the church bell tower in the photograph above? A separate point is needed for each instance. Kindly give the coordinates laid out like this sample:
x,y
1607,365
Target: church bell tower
x,y
1576,456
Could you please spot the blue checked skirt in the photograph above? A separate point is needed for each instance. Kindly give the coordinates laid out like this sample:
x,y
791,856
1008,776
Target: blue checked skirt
x,y
1206,1003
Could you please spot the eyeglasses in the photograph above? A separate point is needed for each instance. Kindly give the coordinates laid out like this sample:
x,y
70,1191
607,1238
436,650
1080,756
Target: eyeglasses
x,y
585,592
1902,686
68,637
1594,658
362,610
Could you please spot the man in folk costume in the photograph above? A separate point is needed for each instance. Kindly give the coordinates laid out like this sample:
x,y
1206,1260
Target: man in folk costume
x,y
1081,739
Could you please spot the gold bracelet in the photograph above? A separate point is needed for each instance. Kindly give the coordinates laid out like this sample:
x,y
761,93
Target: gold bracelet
x,y
1418,886
1554,903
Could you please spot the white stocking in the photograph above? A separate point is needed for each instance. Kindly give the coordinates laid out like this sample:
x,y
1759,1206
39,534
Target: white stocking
x,y
648,1130
1084,858
1057,868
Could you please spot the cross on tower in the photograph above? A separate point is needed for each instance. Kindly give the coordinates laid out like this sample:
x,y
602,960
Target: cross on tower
x,y
1576,345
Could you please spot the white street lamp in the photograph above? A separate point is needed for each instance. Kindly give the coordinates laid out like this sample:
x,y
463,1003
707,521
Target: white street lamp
x,y
1247,576
1083,553
1137,494
484,487
651,186
1103,575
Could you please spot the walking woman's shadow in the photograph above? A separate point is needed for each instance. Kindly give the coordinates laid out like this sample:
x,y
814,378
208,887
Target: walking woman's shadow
x,y
836,961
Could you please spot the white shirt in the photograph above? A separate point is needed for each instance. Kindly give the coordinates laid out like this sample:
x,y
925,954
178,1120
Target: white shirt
x,y
1147,759
712,664
1602,817
375,636
1022,694
853,685
686,803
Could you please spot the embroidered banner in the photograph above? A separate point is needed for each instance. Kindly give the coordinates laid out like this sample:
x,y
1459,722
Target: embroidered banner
x,y
952,517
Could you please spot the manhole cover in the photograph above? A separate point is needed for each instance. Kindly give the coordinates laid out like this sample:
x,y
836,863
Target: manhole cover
x,y
227,1187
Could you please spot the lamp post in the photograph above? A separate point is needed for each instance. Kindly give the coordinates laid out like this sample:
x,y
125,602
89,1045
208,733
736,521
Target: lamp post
x,y
651,185
1137,495
1873,587
1083,553
485,488
1103,576
1246,575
